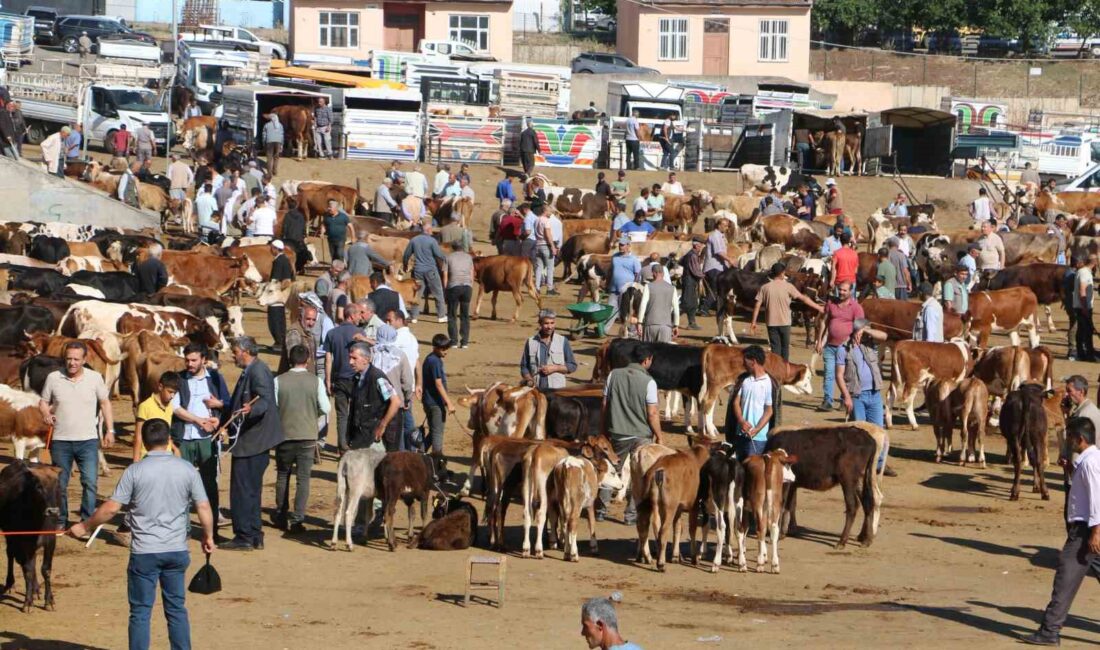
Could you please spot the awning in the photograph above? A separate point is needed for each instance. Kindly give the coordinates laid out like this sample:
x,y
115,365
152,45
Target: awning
x,y
916,117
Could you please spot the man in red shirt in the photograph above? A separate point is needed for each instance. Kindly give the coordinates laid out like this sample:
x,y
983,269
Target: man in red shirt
x,y
841,313
510,233
844,264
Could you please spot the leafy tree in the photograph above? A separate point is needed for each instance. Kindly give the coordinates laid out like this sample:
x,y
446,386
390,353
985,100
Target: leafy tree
x,y
1028,20
844,19
608,7
1084,20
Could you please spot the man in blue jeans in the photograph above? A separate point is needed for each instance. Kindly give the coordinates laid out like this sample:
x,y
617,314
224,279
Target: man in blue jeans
x,y
70,399
840,314
859,379
159,489
426,254
752,407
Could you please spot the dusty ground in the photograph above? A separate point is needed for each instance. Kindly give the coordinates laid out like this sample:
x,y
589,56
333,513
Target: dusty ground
x,y
955,564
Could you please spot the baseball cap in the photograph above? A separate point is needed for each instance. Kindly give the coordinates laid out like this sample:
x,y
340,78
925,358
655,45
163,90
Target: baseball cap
x,y
830,181
698,239
277,244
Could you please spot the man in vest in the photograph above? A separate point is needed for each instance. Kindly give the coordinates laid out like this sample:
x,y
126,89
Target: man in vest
x,y
196,413
384,297
547,356
629,417
956,295
660,309
301,333
859,378
301,398
374,403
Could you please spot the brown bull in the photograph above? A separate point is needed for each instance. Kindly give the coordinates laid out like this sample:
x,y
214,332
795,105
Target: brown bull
x,y
297,124
681,212
498,273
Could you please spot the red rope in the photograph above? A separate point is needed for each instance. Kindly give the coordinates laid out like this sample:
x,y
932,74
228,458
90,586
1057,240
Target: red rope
x,y
34,532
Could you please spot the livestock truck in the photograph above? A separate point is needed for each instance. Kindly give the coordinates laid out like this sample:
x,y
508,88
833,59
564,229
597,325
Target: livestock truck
x,y
101,96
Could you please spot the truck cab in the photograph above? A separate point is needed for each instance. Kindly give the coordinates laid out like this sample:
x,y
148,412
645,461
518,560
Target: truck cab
x,y
652,101
229,34
1087,182
1069,155
204,71
108,107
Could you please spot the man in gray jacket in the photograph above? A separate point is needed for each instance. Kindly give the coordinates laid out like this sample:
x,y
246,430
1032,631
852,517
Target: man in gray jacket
x,y
660,308
260,429
273,142
322,128
362,258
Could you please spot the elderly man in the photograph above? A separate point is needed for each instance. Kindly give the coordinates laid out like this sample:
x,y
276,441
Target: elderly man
x,y
1081,551
956,295
326,282
391,360
273,142
53,154
302,333
660,308
375,403
1077,392
600,626
465,191
383,296
494,224
362,259
547,356
625,269
692,278
322,128
281,270
151,274
928,325
716,260
425,252
416,183
384,203
903,281
70,400
260,430
338,371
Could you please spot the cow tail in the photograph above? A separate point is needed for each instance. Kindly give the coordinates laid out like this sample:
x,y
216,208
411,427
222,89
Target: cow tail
x,y
656,498
1027,443
703,370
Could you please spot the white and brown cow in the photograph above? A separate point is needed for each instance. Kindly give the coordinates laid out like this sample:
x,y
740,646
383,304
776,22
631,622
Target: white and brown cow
x,y
792,233
918,362
723,364
22,421
1003,310
967,401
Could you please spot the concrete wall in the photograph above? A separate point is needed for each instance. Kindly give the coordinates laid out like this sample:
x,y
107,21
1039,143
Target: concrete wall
x,y
437,23
639,38
28,193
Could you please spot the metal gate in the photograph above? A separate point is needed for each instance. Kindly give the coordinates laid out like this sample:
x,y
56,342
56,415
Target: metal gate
x,y
781,122
878,145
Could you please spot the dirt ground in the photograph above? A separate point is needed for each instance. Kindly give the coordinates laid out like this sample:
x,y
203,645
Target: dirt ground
x,y
955,564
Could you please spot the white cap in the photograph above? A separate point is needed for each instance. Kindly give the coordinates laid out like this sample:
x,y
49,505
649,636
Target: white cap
x,y
830,181
277,243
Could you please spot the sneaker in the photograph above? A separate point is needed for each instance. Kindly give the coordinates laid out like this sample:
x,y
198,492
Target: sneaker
x,y
412,321
824,407
552,292
694,326
1071,357
630,521
442,319
464,346
1038,638
601,516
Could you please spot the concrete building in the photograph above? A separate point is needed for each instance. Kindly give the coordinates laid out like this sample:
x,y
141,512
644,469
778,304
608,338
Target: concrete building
x,y
352,28
718,37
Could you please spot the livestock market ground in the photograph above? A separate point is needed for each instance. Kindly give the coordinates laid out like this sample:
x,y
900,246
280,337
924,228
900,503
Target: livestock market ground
x,y
955,563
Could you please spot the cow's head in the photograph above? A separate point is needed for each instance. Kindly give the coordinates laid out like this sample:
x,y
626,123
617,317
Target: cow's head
x,y
801,376
235,324
504,415
276,292
609,477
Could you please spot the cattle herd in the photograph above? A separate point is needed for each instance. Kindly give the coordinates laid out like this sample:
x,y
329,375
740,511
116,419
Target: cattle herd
x,y
60,282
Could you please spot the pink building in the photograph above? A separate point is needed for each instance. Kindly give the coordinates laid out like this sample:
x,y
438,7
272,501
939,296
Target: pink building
x,y
352,28
718,37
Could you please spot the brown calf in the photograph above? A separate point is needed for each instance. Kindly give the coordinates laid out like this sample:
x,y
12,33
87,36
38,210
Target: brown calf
x,y
571,488
409,476
505,273
671,489
1024,425
764,492
967,400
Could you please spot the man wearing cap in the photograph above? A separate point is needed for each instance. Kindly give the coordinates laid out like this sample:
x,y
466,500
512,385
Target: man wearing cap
x,y
956,296
510,233
660,308
620,220
692,265
281,269
858,375
625,269
841,313
547,356
929,323
775,298
834,204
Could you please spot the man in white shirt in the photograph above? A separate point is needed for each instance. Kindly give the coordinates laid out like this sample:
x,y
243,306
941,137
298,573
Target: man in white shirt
x,y
407,343
642,202
981,210
465,190
442,175
673,186
929,323
1081,550
205,207
416,183
1082,307
263,218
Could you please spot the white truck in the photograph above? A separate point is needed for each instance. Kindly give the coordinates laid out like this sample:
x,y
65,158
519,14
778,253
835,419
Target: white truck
x,y
1069,154
102,97
653,102
239,35
205,68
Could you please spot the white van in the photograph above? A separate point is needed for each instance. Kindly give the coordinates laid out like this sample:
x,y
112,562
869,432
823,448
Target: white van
x,y
1069,154
1087,182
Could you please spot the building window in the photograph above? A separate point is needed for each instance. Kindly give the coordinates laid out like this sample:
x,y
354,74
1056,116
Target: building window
x,y
473,30
674,39
339,29
773,40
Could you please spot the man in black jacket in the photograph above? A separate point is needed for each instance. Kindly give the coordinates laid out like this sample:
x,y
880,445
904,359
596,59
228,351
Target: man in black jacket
x,y
528,147
276,312
259,430
294,234
152,276
374,402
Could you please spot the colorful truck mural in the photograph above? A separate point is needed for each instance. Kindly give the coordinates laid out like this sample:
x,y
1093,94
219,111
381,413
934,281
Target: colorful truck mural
x,y
567,145
975,113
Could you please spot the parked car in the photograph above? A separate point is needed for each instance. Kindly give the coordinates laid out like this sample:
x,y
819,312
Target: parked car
x,y
605,23
68,30
44,19
943,42
607,62
239,35
897,41
456,50
1068,44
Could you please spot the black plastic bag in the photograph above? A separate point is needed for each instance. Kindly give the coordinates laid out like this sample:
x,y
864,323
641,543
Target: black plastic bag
x,y
207,580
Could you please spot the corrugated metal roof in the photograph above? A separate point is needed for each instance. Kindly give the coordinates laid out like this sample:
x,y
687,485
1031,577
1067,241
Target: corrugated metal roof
x,y
916,117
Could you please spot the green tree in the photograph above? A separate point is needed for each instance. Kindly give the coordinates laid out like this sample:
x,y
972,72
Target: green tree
x,y
1028,20
1084,20
844,19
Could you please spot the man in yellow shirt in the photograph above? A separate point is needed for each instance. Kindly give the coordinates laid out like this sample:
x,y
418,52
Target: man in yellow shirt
x,y
157,407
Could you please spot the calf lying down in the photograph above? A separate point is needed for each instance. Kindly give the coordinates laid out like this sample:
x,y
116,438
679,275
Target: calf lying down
x,y
453,527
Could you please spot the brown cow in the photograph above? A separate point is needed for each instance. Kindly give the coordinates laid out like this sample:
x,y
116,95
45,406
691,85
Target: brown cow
x,y
1045,280
575,203
313,201
1079,203
791,232
671,490
578,246
570,227
1005,309
498,273
138,347
764,494
918,362
22,421
723,364
1024,425
211,272
681,212
359,288
297,124
261,257
968,401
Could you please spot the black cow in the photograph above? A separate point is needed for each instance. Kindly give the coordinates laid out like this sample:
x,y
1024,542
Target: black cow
x,y
722,475
630,304
734,286
44,282
675,367
128,245
1024,424
116,286
572,417
828,456
48,249
34,370
30,497
17,322
798,178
